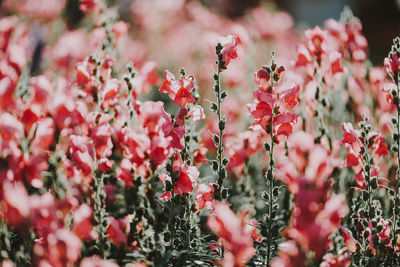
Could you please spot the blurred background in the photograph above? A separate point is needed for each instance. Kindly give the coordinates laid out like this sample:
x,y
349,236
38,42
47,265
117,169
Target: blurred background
x,y
380,18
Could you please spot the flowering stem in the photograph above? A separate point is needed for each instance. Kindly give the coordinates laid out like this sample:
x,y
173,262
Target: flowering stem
x,y
270,180
220,164
272,191
186,159
221,131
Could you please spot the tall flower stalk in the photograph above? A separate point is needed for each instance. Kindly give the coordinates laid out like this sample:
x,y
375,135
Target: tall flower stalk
x,y
225,50
271,111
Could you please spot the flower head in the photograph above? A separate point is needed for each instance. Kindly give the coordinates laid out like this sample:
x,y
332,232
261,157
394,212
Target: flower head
x,y
178,90
229,48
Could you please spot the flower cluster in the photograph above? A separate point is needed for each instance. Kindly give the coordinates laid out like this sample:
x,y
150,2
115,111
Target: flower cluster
x,y
109,156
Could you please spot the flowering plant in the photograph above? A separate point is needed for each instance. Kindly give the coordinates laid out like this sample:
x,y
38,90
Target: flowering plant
x,y
112,155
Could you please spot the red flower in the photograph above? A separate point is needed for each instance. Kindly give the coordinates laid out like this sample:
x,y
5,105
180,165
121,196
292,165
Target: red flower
x,y
303,56
262,79
178,90
334,58
263,104
43,135
187,176
350,136
229,48
92,5
116,233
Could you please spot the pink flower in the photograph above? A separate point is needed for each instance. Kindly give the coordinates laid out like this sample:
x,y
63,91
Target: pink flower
x,y
237,240
229,48
343,260
10,127
120,28
109,92
42,89
125,172
101,137
14,207
349,241
290,255
64,248
187,176
204,196
152,115
173,134
82,152
197,113
178,90
316,41
277,101
96,261
82,223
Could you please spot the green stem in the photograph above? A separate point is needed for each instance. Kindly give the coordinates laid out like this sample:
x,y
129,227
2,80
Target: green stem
x,y
221,133
188,219
271,186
